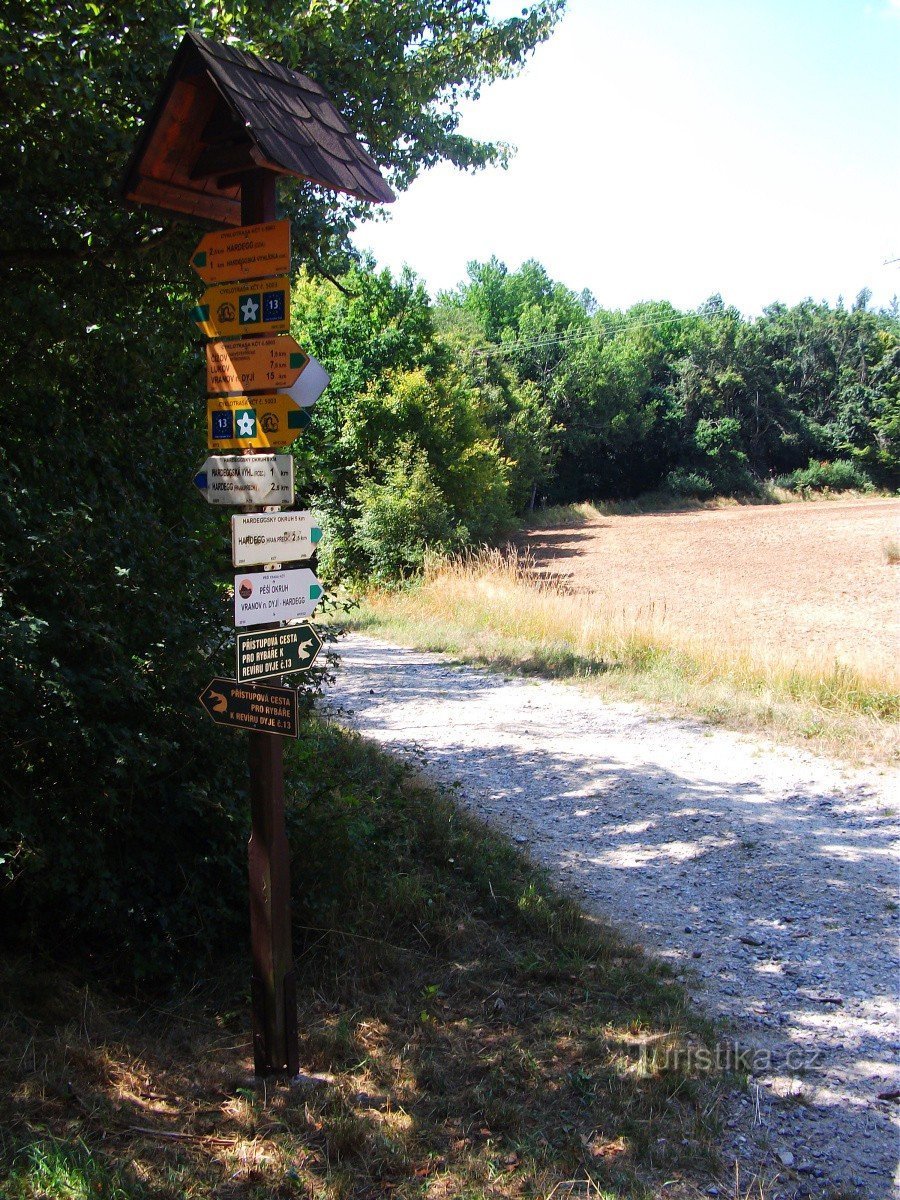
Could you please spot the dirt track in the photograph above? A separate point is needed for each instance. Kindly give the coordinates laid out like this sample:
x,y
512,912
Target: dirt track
x,y
798,581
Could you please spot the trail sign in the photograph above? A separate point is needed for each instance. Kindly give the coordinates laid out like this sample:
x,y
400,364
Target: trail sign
x,y
264,709
275,596
233,309
248,252
313,381
258,538
276,651
250,364
253,422
249,479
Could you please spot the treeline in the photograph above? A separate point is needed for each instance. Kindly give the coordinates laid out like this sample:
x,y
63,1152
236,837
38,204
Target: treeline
x,y
446,420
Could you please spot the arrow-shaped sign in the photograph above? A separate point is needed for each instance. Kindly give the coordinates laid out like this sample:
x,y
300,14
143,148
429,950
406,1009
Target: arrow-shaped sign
x,y
265,709
251,364
275,596
254,422
271,652
247,479
248,252
232,309
258,538
313,381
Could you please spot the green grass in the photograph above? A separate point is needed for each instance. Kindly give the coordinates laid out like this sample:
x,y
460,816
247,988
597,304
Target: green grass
x,y
473,1033
493,609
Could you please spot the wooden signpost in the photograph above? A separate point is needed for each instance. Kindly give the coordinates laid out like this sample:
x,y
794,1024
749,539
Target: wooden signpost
x,y
267,122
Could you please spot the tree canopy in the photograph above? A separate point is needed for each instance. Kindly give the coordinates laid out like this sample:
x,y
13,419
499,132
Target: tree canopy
x,y
123,815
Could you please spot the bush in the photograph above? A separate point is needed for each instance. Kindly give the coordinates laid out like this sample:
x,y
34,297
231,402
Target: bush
x,y
682,482
400,519
838,476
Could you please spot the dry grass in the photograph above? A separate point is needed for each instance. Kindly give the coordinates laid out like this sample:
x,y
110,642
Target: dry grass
x,y
891,551
467,1034
491,607
560,516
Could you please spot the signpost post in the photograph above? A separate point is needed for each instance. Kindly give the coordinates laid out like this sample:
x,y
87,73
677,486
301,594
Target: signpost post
x,y
223,170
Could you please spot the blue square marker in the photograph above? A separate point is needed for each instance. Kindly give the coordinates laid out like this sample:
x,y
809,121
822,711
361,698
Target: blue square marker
x,y
223,423
273,306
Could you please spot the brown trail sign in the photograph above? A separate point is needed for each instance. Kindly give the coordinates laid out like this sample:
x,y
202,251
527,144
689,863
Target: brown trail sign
x,y
224,126
253,364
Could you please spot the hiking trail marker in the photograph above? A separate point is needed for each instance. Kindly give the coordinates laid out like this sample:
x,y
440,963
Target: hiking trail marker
x,y
262,709
275,596
258,538
313,381
249,364
248,252
263,420
226,126
236,309
247,479
271,652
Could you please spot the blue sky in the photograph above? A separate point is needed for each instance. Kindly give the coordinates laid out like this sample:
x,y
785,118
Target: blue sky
x,y
670,149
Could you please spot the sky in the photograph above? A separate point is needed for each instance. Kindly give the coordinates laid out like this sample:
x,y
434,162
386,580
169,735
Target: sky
x,y
672,149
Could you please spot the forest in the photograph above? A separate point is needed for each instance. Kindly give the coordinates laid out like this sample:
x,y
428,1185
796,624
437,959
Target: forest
x,y
447,420
122,818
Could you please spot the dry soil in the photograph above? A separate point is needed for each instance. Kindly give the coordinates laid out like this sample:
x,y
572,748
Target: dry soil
x,y
794,581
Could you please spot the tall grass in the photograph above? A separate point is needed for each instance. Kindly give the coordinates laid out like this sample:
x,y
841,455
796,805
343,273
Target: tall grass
x,y
492,607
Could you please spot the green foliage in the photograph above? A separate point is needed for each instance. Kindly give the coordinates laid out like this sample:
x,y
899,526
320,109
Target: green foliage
x,y
837,476
124,812
401,429
402,517
700,402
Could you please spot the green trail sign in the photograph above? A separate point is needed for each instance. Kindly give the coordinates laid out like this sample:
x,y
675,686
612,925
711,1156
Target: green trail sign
x,y
272,652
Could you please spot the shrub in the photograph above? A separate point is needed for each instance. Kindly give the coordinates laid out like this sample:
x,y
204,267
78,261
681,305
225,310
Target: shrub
x,y
401,518
838,476
682,482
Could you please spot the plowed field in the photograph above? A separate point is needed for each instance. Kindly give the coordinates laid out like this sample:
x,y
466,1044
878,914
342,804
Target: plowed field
x,y
804,581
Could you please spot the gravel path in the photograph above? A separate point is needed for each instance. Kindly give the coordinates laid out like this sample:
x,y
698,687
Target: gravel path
x,y
767,876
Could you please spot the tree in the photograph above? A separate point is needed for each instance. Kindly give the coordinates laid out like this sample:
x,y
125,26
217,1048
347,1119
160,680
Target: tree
x,y
122,815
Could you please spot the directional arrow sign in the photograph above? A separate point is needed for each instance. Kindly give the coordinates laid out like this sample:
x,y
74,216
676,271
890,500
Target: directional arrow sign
x,y
276,651
265,709
248,252
258,538
249,479
275,596
249,364
253,422
232,309
313,381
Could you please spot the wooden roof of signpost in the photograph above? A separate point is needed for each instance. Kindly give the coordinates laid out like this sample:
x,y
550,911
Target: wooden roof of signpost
x,y
223,112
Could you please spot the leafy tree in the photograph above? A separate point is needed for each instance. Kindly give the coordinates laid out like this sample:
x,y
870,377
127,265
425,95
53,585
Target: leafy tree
x,y
123,815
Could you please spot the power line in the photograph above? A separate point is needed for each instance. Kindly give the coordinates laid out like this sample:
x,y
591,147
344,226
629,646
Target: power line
x,y
492,350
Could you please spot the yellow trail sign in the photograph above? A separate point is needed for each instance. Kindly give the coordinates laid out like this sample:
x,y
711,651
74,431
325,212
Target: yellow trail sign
x,y
247,252
252,364
232,309
261,422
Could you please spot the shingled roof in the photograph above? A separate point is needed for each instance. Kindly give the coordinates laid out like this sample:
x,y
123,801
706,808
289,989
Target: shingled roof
x,y
222,112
